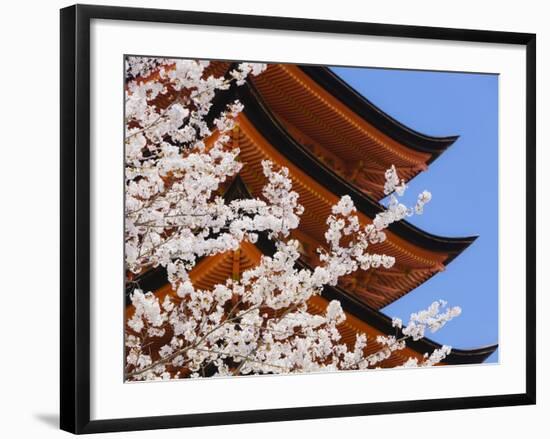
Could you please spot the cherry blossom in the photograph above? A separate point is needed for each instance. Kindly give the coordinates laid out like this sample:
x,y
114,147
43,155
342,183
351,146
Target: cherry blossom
x,y
177,160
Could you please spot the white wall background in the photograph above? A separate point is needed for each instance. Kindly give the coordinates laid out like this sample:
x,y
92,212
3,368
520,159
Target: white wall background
x,y
29,237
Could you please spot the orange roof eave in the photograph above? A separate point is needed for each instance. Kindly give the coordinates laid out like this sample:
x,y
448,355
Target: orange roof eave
x,y
308,187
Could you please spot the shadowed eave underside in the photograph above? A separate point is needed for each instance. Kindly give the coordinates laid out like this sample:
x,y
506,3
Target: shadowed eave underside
x,y
374,115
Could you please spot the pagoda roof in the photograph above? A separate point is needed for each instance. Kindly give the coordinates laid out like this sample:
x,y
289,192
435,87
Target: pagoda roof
x,y
355,101
259,114
420,255
405,135
360,317
342,128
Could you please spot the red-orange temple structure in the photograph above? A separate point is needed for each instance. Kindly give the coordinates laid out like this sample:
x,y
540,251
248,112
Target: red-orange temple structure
x,y
334,142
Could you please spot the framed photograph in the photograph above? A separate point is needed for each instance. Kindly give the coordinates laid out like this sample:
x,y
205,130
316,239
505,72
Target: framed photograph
x,y
268,218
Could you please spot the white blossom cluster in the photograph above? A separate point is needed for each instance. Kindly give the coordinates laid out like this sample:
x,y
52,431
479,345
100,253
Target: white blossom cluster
x,y
176,166
396,210
436,357
173,208
432,318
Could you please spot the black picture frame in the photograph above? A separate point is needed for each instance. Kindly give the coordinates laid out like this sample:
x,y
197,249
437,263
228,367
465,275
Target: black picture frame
x,y
75,217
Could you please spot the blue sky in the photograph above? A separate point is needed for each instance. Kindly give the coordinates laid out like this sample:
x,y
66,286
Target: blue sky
x,y
464,185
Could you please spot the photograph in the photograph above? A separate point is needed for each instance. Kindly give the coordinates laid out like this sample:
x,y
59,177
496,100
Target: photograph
x,y
296,218
267,219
